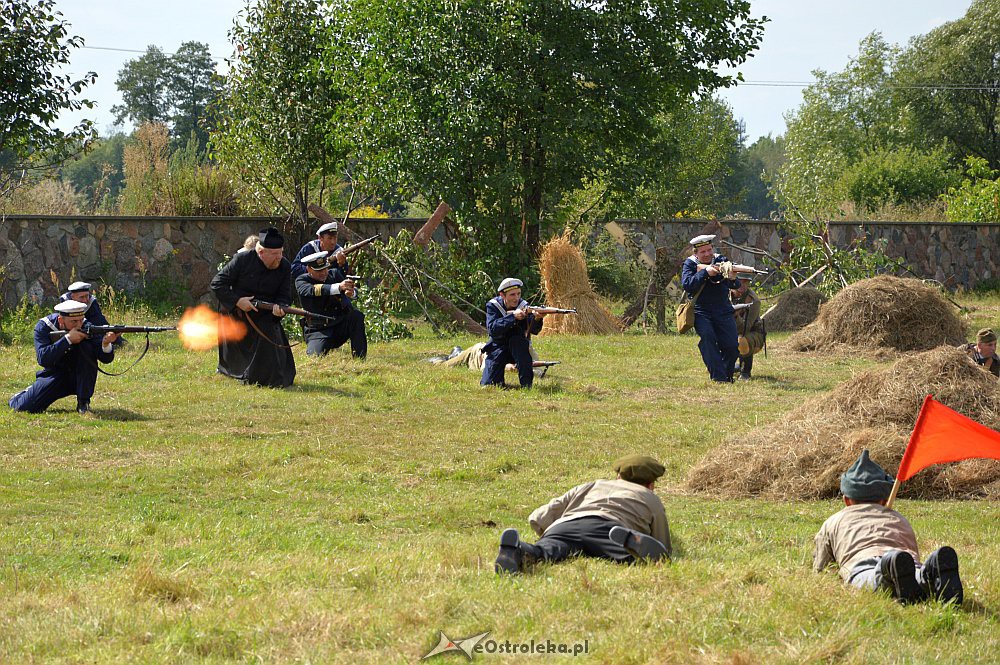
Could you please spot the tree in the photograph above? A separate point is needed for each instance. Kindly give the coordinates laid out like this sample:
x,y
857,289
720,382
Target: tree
x,y
175,89
34,46
278,107
842,116
193,88
501,108
142,83
950,78
693,156
756,169
99,174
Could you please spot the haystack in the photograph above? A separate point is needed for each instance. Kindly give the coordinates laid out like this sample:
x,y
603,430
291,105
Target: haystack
x,y
802,455
795,309
883,313
565,282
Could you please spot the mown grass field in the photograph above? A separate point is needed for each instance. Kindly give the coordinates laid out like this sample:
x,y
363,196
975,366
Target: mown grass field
x,y
350,518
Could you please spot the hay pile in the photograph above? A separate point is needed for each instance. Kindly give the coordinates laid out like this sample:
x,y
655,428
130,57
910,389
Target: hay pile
x,y
883,313
795,309
802,455
564,279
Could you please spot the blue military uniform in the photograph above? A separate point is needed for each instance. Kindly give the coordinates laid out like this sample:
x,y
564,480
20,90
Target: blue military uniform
x,y
713,317
67,369
93,315
324,297
311,247
510,342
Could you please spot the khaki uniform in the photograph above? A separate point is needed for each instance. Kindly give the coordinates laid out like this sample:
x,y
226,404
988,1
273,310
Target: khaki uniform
x,y
861,532
624,502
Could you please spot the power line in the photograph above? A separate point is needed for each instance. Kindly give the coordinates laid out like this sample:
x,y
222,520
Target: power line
x,y
938,86
129,50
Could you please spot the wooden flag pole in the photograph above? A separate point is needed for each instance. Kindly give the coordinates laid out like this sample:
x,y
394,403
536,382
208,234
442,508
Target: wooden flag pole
x,y
894,492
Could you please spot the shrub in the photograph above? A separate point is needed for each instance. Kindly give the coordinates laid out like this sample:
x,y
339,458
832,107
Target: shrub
x,y
977,199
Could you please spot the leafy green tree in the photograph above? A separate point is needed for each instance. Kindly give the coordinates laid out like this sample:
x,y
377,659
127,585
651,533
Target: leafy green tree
x,y
99,173
34,47
278,105
193,87
693,157
884,177
948,78
142,83
501,108
174,89
977,198
756,168
842,116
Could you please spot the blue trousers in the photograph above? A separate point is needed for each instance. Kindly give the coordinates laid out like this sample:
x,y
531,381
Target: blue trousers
x,y
719,345
53,384
350,327
517,351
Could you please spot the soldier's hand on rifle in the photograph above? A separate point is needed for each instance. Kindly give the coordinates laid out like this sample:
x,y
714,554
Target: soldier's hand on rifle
x,y
348,288
712,271
246,304
520,314
110,338
277,311
341,257
76,335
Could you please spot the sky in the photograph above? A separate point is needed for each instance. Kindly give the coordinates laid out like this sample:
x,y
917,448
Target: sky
x,y
803,35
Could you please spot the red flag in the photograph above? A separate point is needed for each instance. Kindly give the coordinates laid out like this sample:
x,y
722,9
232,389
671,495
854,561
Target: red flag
x,y
943,435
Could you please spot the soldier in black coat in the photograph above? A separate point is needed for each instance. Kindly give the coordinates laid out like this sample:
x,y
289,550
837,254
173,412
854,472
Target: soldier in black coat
x,y
329,292
263,357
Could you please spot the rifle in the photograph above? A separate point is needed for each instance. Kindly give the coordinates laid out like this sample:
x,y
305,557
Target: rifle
x,y
727,268
537,309
91,330
288,309
361,244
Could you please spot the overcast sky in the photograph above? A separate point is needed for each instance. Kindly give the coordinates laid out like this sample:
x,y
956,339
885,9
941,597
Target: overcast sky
x,y
803,35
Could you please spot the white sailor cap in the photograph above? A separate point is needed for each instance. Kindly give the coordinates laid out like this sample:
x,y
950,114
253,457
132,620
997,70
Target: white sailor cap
x,y
329,227
71,308
509,283
698,241
317,261
79,286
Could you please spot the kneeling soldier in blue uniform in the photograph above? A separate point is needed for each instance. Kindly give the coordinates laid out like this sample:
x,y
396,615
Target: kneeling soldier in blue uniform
x,y
876,547
321,292
622,520
69,364
83,292
510,326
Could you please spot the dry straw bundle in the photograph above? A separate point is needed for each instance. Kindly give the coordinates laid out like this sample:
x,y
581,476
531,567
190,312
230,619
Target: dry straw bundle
x,y
883,313
564,279
803,454
795,308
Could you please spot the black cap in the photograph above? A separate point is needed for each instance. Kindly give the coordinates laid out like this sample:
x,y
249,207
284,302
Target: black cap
x,y
271,238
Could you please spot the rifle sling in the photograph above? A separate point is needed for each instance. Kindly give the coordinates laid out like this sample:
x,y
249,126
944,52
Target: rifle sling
x,y
134,363
266,338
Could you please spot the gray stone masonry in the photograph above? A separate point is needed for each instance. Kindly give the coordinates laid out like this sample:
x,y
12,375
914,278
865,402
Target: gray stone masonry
x,y
40,256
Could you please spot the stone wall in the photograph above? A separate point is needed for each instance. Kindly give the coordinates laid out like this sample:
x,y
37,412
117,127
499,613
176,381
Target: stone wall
x,y
957,255
40,256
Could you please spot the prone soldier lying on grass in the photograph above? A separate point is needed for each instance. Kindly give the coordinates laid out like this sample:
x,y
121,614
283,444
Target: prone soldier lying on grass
x,y
876,547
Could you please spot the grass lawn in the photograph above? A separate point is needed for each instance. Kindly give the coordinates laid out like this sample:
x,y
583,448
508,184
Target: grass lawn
x,y
353,516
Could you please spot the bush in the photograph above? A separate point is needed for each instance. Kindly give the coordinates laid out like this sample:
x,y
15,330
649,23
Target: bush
x,y
904,175
977,199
